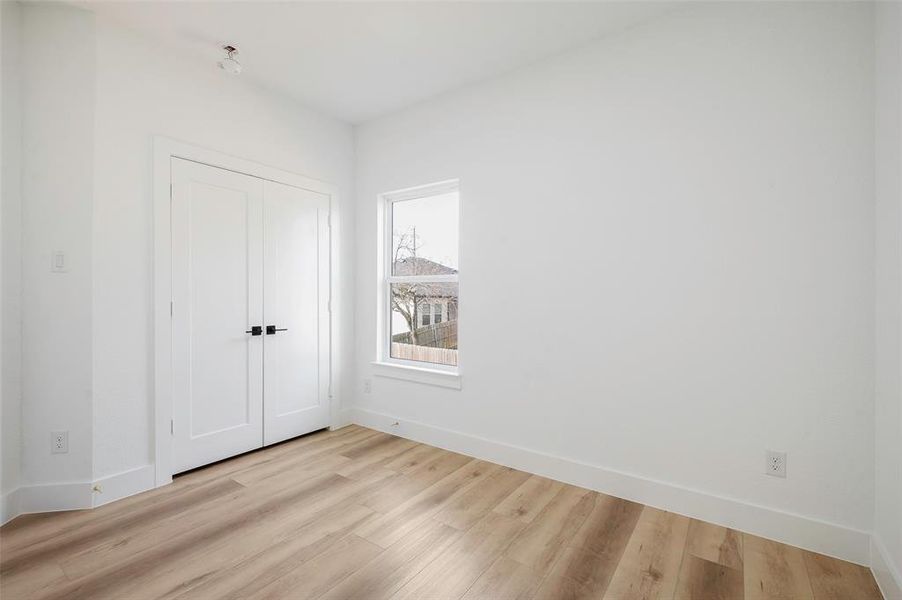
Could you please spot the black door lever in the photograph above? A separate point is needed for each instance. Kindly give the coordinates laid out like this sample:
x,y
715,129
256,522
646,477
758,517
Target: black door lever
x,y
255,330
271,330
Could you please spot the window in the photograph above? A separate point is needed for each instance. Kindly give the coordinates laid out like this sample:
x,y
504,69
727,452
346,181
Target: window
x,y
421,276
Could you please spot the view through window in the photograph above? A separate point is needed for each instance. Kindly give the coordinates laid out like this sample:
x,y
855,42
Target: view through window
x,y
422,276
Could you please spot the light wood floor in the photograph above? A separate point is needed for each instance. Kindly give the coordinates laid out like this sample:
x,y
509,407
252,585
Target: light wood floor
x,y
361,514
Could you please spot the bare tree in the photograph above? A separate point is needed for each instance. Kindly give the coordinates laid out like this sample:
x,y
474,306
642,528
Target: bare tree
x,y
405,297
408,298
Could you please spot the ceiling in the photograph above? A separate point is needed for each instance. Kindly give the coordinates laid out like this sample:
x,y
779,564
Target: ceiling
x,y
360,60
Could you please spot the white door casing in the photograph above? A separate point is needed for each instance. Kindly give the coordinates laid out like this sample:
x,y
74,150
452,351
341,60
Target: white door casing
x,y
296,303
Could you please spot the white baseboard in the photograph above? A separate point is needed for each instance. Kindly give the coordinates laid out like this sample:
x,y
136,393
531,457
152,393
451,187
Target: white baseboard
x,y
9,506
55,497
812,534
886,572
122,485
343,418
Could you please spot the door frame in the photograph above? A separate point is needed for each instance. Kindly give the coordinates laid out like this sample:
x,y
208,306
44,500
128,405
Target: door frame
x,y
164,150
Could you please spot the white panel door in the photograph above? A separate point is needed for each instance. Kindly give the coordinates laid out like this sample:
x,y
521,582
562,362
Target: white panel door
x,y
217,293
296,309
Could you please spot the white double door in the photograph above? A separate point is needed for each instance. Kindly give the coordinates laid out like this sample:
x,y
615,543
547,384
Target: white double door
x,y
250,313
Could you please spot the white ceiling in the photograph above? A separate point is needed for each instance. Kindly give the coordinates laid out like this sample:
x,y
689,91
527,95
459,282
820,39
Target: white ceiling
x,y
360,60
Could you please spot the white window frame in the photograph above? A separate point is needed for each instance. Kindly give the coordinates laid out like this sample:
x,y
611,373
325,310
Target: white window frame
x,y
385,365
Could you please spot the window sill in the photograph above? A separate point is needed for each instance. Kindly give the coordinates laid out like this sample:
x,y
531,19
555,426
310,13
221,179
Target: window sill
x,y
446,379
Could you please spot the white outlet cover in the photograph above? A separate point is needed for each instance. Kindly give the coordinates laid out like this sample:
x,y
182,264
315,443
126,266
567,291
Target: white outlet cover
x,y
59,442
776,464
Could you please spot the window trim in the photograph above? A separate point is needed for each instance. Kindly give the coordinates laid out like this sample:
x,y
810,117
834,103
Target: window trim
x,y
410,370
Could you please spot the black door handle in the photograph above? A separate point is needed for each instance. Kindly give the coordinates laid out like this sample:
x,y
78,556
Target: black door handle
x,y
255,330
271,329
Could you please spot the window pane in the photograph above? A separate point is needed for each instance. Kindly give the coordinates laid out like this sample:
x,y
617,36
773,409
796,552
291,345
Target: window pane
x,y
433,342
424,235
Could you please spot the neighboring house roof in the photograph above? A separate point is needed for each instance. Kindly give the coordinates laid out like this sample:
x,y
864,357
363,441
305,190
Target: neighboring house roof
x,y
414,265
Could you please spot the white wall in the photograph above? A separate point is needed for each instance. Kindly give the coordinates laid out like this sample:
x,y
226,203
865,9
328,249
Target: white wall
x,y
143,90
10,220
888,438
86,189
683,214
667,243
57,188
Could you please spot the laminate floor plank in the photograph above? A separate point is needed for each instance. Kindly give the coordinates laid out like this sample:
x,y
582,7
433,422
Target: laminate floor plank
x,y
279,555
391,570
390,527
375,459
774,571
530,498
651,561
833,579
715,543
609,526
700,578
413,458
469,508
452,573
595,551
544,539
442,464
356,514
506,579
312,578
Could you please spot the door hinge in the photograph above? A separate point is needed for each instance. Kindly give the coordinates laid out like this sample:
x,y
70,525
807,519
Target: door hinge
x,y
171,309
329,220
171,426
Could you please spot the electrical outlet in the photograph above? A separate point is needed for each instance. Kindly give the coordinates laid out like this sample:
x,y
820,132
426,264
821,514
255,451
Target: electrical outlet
x,y
367,386
59,442
776,464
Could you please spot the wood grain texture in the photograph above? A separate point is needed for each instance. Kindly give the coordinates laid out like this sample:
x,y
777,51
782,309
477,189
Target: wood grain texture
x,y
506,579
530,498
356,514
774,571
715,544
650,564
700,578
832,579
543,540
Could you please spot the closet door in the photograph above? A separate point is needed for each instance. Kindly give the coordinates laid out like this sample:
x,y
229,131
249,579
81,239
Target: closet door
x,y
217,293
296,309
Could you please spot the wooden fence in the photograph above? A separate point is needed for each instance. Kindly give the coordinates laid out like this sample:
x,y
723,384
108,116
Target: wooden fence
x,y
441,335
442,356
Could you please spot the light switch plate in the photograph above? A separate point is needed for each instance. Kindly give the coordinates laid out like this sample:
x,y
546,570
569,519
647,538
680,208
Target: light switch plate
x,y
59,262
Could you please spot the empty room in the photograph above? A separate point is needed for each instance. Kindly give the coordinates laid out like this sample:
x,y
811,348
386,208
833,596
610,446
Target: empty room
x,y
436,300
